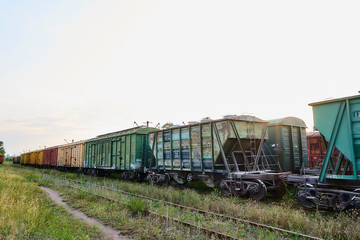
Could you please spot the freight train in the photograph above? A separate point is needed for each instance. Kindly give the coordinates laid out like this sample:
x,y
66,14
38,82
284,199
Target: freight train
x,y
243,155
227,152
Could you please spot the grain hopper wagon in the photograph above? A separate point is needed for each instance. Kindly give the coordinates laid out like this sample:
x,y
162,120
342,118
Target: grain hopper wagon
x,y
226,152
338,184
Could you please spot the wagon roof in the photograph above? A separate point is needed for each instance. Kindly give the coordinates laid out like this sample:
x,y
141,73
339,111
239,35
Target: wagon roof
x,y
71,144
248,118
313,134
236,118
335,100
37,150
136,130
51,148
287,121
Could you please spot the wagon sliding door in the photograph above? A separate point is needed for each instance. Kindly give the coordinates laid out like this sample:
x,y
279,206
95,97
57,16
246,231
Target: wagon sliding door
x,y
115,153
67,153
99,154
103,154
92,155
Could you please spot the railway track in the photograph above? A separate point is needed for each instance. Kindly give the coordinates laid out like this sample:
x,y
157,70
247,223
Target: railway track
x,y
167,218
181,188
199,211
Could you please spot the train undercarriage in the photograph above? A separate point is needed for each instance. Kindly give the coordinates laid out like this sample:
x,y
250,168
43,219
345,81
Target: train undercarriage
x,y
253,184
312,194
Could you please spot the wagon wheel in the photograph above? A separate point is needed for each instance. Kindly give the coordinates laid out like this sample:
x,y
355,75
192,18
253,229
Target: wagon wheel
x,y
124,176
150,179
225,189
93,172
166,181
280,190
301,195
257,190
139,177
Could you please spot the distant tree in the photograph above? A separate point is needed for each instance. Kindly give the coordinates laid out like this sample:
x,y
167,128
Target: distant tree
x,y
167,125
2,149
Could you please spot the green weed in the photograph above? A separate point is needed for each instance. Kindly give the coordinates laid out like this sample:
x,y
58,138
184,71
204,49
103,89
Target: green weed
x,y
138,206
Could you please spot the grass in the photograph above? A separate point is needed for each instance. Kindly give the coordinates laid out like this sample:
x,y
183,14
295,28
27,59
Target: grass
x,y
27,213
138,206
324,225
131,217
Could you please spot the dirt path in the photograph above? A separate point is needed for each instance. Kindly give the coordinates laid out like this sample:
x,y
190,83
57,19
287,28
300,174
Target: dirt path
x,y
107,231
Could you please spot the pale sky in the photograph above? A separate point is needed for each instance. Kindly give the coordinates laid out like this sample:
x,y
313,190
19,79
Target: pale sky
x,y
77,69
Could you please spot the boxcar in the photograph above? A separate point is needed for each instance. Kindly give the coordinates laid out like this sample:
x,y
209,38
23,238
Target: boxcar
x,y
16,159
225,151
316,149
36,157
124,151
26,158
71,156
50,157
1,159
287,144
22,159
32,158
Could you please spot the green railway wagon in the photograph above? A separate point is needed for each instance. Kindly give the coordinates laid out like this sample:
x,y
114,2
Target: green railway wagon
x,y
338,184
287,145
125,151
338,120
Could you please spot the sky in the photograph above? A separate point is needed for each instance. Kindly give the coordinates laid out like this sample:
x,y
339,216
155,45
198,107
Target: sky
x,y
78,69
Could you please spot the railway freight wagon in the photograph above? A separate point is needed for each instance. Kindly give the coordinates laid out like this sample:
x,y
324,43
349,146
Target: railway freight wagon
x,y
25,158
50,157
71,156
36,157
16,159
225,152
287,144
338,121
125,151
316,149
1,158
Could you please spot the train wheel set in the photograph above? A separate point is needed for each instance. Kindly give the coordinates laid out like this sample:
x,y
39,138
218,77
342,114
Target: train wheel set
x,y
243,155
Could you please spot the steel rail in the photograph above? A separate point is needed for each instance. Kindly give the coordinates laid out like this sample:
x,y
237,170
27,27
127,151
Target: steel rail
x,y
206,212
205,230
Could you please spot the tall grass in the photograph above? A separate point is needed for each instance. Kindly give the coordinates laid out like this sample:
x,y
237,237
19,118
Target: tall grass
x,y
138,206
27,213
333,225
